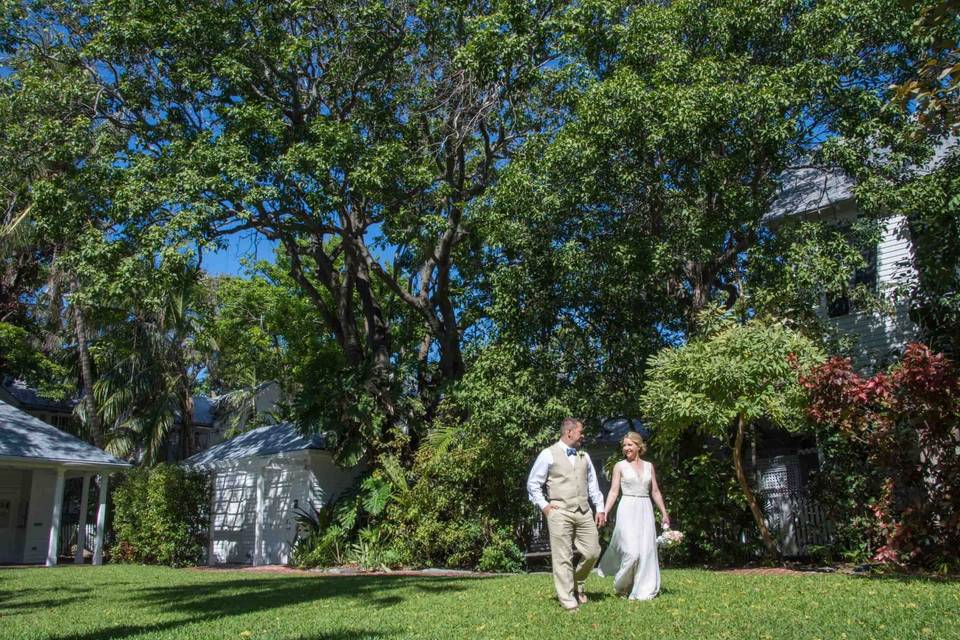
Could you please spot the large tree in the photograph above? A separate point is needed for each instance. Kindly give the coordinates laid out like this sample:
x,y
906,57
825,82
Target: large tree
x,y
357,136
686,115
151,353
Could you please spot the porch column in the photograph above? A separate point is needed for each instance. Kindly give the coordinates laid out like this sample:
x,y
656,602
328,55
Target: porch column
x,y
258,525
101,520
82,524
53,545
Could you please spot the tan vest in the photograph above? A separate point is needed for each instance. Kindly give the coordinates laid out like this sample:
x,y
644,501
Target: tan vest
x,y
567,483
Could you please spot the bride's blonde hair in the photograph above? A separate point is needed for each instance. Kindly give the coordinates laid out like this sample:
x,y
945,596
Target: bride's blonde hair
x,y
636,439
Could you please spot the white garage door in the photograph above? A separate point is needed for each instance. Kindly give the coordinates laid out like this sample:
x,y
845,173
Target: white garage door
x,y
234,516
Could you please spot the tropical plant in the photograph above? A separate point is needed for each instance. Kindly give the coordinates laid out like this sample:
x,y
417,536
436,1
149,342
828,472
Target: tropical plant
x,y
162,516
150,357
721,383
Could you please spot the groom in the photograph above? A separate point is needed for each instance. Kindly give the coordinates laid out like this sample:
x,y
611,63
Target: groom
x,y
569,477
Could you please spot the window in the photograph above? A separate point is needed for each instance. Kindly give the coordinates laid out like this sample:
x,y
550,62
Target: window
x,y
839,304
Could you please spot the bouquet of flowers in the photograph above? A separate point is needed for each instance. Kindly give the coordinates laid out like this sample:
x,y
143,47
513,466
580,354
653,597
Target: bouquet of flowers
x,y
669,538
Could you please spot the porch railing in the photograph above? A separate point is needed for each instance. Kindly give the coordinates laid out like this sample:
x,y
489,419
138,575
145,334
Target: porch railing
x,y
795,519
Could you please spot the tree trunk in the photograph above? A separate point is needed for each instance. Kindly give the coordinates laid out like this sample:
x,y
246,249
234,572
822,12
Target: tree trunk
x,y
771,546
186,424
86,373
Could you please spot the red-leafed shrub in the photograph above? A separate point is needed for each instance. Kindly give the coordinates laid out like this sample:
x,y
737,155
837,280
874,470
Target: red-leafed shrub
x,y
906,421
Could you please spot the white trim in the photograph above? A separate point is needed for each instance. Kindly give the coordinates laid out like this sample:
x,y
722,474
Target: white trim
x,y
82,524
33,463
101,520
54,540
258,558
211,561
253,460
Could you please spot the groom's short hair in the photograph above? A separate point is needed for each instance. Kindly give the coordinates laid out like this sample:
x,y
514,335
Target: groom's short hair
x,y
569,423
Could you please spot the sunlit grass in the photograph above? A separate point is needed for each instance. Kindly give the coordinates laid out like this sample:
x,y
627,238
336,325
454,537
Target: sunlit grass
x,y
87,603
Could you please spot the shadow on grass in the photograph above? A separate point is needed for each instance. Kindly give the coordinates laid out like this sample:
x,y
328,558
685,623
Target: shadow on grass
x,y
130,631
209,601
15,608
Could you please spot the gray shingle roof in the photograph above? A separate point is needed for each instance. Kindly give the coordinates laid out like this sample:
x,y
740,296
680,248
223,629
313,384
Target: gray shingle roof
x,y
203,409
25,438
275,438
808,189
29,397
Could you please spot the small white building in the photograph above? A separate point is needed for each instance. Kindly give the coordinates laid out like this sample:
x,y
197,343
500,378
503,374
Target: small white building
x,y
260,478
35,461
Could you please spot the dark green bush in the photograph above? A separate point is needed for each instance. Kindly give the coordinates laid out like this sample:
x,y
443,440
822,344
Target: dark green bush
x,y
161,516
706,504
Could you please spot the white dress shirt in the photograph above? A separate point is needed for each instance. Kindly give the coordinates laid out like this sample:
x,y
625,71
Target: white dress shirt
x,y
538,477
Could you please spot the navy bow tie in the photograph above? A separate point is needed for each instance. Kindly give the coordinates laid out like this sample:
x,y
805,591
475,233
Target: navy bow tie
x,y
571,451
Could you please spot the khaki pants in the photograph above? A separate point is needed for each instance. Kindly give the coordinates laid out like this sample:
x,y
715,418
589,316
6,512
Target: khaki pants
x,y
569,528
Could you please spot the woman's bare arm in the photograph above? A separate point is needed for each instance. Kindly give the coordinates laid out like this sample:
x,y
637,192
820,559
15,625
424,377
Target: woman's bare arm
x,y
614,489
657,497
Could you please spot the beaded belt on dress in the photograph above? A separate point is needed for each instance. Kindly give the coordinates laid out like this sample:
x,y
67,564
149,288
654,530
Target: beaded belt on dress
x,y
636,495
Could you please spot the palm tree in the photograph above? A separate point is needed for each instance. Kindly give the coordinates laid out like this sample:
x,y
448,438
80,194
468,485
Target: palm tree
x,y
152,357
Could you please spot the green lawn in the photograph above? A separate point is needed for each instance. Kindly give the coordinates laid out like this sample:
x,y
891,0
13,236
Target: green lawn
x,y
88,603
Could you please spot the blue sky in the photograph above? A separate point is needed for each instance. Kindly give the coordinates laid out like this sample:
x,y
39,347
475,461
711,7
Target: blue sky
x,y
227,261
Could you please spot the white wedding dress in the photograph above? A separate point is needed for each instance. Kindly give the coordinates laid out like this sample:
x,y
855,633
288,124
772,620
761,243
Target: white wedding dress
x,y
631,557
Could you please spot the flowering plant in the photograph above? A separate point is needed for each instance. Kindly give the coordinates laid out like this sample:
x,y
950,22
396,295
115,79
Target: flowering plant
x,y
669,538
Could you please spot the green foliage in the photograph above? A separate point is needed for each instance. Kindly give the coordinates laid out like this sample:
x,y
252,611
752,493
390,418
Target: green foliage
x,y
673,133
927,199
352,529
790,270
19,358
162,515
466,503
750,371
730,377
150,357
708,506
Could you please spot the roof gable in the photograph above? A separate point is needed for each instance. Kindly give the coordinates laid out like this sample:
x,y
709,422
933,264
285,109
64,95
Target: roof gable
x,y
31,439
269,440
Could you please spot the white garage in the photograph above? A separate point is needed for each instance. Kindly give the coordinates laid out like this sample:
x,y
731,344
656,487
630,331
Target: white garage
x,y
259,479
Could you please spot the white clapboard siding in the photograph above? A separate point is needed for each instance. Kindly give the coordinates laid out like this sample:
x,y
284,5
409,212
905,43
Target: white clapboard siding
x,y
881,336
234,515
329,479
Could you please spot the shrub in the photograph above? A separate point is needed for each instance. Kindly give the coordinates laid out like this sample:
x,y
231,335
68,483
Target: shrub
x,y
906,423
706,504
162,515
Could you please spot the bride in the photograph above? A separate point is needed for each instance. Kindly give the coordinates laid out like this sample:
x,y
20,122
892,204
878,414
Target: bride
x,y
632,555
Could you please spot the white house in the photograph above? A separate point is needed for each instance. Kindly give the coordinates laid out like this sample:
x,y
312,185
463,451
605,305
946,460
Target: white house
x,y
783,464
35,461
259,479
827,195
